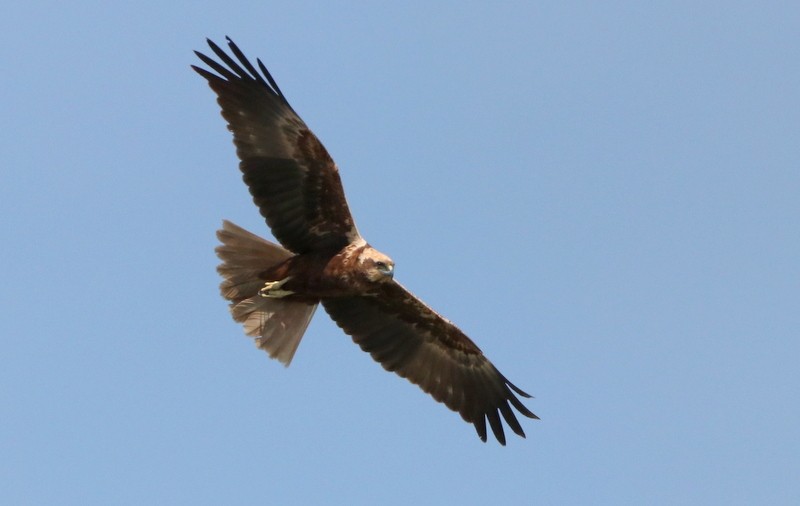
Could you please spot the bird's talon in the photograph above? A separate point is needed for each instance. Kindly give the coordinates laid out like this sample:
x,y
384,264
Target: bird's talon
x,y
271,289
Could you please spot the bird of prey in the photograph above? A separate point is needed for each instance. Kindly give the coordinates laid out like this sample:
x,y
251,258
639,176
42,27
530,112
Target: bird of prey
x,y
274,290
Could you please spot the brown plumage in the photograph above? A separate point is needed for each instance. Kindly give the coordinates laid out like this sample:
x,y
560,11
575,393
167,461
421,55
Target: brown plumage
x,y
274,291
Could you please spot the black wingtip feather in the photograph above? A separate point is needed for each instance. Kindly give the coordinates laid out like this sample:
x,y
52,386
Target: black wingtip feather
x,y
222,55
244,61
497,426
480,427
243,70
205,74
517,389
270,79
521,407
511,419
216,67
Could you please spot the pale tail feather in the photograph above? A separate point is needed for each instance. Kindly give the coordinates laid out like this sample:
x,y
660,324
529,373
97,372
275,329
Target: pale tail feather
x,y
277,325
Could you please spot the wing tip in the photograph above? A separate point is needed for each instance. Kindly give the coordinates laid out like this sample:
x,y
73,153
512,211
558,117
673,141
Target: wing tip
x,y
234,70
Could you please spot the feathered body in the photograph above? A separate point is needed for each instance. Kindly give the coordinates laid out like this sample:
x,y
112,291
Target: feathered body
x,y
274,290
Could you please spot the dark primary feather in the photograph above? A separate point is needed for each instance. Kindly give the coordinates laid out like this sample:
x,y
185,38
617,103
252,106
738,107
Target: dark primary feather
x,y
406,336
293,180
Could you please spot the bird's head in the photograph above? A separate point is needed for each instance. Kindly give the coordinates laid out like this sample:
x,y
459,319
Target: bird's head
x,y
377,267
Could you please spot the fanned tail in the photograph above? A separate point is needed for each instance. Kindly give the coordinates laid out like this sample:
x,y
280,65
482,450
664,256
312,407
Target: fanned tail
x,y
276,324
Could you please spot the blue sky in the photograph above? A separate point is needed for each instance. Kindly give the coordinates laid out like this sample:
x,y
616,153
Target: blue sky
x,y
604,196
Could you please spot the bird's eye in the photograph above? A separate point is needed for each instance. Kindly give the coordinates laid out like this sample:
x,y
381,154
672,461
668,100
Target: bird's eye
x,y
384,268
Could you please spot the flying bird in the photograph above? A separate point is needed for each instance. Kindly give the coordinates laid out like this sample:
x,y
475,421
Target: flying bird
x,y
274,290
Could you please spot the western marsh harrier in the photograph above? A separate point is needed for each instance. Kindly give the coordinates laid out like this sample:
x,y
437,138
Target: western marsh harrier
x,y
274,290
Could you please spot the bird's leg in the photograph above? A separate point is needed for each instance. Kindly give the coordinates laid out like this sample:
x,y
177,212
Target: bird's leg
x,y
272,289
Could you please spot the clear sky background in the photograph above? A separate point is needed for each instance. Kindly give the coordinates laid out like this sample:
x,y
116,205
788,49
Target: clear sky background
x,y
604,195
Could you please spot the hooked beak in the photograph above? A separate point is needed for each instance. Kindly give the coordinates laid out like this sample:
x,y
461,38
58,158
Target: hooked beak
x,y
387,270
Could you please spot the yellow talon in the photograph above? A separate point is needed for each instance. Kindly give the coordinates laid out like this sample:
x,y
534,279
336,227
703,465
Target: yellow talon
x,y
272,289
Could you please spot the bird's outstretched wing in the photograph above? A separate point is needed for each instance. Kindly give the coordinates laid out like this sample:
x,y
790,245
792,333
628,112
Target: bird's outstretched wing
x,y
406,336
293,179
